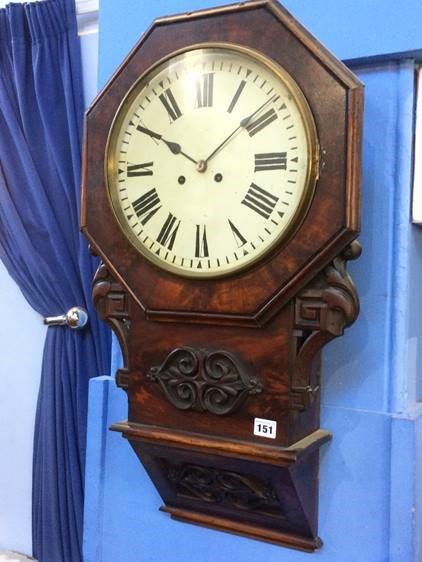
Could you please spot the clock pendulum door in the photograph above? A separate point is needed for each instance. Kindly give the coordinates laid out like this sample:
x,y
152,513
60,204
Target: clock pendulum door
x,y
221,192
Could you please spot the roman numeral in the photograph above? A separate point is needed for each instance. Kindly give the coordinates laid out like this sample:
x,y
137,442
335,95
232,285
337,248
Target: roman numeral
x,y
170,104
270,161
238,238
261,122
201,243
260,201
204,90
147,205
168,232
136,170
236,96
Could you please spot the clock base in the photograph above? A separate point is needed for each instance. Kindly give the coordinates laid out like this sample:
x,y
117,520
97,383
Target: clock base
x,y
280,538
261,491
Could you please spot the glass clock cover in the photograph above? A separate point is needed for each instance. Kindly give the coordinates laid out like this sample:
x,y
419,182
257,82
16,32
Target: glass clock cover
x,y
212,161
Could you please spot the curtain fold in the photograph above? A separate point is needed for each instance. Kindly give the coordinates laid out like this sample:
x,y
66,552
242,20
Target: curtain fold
x,y
41,110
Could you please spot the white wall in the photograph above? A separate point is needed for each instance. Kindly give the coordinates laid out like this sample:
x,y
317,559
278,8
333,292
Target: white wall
x,y
22,336
21,341
89,53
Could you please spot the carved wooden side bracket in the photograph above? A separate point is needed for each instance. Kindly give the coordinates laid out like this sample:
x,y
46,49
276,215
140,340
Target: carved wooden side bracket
x,y
112,304
322,311
205,380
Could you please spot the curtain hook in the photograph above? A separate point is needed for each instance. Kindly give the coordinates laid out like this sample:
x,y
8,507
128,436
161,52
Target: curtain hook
x,y
75,318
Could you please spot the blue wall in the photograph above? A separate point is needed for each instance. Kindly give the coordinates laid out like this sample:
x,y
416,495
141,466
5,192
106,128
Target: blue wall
x,y
368,489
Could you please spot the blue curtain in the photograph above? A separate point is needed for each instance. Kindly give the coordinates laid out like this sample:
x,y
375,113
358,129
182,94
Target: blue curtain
x,y
41,111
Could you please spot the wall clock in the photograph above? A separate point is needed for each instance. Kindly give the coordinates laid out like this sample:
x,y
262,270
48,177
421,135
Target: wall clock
x,y
221,192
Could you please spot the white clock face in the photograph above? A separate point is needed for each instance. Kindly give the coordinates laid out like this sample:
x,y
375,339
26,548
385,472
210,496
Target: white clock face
x,y
212,161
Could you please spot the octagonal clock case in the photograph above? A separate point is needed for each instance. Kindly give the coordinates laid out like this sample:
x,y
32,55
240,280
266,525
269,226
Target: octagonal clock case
x,y
221,192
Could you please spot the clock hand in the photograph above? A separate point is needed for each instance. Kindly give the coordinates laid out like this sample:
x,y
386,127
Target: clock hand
x,y
242,125
174,147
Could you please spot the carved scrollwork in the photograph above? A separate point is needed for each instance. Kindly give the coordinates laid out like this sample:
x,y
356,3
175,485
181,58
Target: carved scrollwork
x,y
223,487
330,302
112,304
322,311
204,380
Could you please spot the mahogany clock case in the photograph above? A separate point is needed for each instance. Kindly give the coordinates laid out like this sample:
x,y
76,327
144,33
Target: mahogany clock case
x,y
204,358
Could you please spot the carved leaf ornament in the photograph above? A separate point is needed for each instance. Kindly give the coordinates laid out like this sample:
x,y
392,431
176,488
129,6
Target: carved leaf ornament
x,y
223,487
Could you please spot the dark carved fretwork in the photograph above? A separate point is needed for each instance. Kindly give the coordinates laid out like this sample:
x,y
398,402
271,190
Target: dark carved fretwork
x,y
205,380
111,302
322,311
223,487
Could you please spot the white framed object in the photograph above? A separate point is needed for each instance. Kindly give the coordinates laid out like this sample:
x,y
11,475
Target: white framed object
x,y
417,173
87,16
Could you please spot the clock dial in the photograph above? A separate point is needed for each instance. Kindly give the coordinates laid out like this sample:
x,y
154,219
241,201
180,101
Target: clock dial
x,y
212,161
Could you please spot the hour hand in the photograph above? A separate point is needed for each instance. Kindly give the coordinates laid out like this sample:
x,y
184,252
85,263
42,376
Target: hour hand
x,y
148,132
174,147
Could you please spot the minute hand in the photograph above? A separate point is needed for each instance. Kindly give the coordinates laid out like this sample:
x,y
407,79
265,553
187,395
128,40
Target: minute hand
x,y
243,124
174,147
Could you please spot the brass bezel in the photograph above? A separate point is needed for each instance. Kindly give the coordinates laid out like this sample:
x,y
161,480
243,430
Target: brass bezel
x,y
311,175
